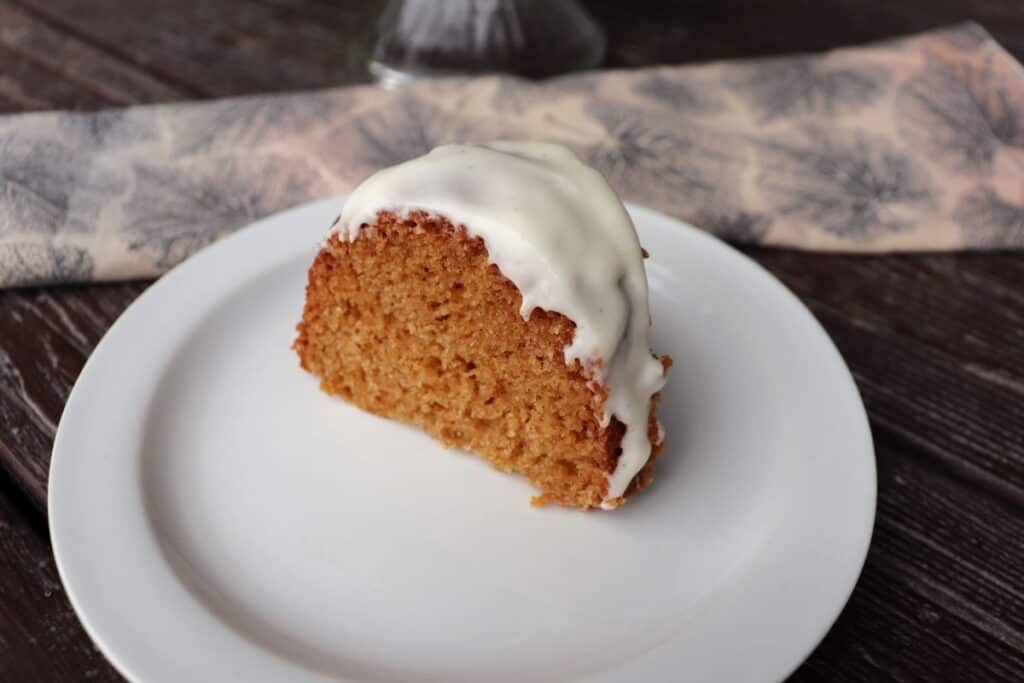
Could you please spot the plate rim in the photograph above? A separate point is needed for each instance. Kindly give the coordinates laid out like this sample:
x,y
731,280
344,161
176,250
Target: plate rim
x,y
58,519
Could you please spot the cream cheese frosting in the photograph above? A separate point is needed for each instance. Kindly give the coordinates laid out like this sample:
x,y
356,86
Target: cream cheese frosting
x,y
556,229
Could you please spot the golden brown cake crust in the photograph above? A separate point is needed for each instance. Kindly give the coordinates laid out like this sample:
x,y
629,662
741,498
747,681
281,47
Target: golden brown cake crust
x,y
411,322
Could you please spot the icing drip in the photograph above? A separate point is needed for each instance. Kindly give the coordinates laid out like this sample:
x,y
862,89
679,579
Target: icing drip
x,y
555,228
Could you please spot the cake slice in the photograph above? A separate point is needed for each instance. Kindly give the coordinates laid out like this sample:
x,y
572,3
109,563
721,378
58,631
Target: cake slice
x,y
495,296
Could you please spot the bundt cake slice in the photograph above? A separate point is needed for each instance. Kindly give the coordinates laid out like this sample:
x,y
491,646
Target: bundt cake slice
x,y
495,296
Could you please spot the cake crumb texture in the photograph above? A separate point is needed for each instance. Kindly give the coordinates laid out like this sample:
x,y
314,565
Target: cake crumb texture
x,y
410,321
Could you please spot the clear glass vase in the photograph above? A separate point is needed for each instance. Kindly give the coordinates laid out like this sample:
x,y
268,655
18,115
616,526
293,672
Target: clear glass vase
x,y
532,38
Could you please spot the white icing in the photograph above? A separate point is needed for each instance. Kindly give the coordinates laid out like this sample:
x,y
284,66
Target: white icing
x,y
556,229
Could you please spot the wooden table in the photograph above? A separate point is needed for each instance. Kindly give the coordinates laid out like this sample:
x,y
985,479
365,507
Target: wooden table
x,y
936,343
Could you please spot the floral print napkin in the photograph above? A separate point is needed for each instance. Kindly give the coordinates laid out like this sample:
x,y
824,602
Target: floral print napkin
x,y
912,144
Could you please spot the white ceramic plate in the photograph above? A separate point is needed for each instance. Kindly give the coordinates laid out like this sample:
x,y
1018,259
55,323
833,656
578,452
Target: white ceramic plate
x,y
215,517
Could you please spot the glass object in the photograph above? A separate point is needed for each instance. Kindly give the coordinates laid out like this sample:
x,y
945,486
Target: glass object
x,y
532,38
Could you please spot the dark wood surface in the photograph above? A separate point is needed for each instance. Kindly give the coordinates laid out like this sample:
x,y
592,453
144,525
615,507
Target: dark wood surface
x,y
936,343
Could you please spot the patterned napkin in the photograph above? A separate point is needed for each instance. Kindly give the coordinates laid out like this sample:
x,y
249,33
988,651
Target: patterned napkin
x,y
911,144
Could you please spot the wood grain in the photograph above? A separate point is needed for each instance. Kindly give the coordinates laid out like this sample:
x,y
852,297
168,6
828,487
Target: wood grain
x,y
651,31
936,343
47,336
940,597
218,49
41,640
80,68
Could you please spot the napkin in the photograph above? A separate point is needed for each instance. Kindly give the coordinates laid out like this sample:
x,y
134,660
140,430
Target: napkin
x,y
912,144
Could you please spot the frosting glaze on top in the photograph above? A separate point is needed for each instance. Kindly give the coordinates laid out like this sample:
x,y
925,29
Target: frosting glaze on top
x,y
556,229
